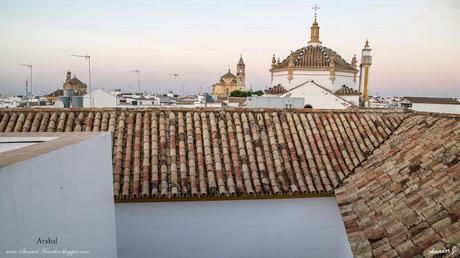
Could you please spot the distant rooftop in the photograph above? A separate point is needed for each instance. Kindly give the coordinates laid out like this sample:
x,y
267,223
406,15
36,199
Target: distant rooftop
x,y
431,100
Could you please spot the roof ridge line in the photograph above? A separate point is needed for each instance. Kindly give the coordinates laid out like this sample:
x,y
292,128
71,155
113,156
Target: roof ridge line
x,y
213,109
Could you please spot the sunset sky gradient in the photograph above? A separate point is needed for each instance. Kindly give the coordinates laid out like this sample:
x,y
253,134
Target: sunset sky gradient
x,y
415,44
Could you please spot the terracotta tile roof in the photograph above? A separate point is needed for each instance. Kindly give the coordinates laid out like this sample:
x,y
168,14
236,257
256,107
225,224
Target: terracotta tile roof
x,y
395,175
431,100
405,199
345,90
276,90
56,93
217,153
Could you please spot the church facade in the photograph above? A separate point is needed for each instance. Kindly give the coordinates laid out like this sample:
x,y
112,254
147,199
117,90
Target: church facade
x,y
230,82
78,87
320,75
74,84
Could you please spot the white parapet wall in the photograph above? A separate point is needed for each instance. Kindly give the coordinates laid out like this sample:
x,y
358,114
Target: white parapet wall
x,y
307,227
437,108
56,196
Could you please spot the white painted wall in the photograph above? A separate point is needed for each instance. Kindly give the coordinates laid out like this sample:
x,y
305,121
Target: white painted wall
x,y
317,97
439,108
100,99
247,228
66,193
353,99
320,77
274,102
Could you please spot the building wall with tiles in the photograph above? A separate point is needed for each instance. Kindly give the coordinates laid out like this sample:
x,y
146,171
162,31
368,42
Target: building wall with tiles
x,y
303,227
65,194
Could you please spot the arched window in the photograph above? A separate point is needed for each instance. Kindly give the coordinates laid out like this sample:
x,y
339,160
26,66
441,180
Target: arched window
x,y
308,106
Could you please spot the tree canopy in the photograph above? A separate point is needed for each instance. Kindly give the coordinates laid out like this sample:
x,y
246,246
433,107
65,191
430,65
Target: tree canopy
x,y
240,93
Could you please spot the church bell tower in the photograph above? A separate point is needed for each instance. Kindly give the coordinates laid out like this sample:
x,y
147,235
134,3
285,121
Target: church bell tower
x,y
241,73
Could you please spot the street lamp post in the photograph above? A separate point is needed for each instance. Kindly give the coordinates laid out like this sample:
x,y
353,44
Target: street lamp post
x,y
87,57
30,68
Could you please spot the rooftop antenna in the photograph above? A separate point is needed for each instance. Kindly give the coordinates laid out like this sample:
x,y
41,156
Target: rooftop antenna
x,y
138,79
87,57
30,67
175,76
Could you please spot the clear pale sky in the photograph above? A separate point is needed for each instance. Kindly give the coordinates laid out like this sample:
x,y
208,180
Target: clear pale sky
x,y
415,43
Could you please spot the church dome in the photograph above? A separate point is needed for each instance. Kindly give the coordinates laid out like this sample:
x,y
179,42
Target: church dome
x,y
228,75
314,57
74,81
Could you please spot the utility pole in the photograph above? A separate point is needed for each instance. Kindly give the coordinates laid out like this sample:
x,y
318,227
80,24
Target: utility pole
x,y
27,90
27,86
87,57
30,68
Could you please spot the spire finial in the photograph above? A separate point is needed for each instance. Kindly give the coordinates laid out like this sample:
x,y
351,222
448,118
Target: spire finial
x,y
241,62
314,29
316,8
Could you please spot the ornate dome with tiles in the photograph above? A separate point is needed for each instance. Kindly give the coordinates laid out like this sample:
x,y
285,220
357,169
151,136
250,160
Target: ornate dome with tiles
x,y
316,57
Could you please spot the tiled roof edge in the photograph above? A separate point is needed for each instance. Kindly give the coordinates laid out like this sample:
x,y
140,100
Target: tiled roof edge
x,y
223,198
214,109
446,115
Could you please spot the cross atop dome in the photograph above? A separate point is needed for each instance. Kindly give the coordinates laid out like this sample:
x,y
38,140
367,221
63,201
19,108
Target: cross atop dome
x,y
316,8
